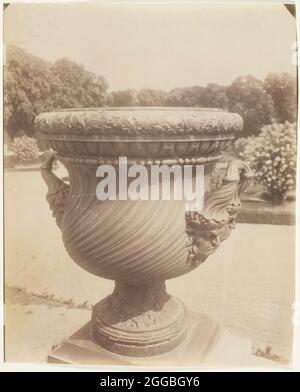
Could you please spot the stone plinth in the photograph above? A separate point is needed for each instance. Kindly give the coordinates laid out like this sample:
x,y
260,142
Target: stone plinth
x,y
207,344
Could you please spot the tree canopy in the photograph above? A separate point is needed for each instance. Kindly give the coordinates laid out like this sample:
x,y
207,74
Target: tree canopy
x,y
73,86
125,98
32,86
248,98
283,90
27,89
151,97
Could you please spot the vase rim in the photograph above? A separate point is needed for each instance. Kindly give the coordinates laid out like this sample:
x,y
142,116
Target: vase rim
x,y
139,121
142,108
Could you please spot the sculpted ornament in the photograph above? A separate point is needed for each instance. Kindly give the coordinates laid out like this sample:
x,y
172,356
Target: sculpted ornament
x,y
207,229
58,190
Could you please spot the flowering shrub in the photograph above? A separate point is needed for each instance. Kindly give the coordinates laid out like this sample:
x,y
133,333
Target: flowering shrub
x,y
240,144
272,154
25,149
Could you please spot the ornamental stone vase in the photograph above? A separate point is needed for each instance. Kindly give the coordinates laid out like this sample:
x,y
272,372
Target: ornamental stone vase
x,y
140,244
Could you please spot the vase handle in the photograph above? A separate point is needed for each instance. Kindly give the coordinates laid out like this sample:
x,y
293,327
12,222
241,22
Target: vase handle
x,y
240,175
206,229
58,190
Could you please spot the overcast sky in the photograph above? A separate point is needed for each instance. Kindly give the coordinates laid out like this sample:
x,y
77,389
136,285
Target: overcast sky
x,y
158,46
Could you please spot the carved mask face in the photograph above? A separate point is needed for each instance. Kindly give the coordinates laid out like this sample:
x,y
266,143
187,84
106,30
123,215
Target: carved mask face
x,y
204,241
207,242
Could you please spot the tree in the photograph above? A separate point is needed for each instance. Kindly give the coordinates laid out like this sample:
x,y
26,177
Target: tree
x,y
27,90
283,90
185,96
125,98
73,86
248,98
211,96
32,86
151,97
214,96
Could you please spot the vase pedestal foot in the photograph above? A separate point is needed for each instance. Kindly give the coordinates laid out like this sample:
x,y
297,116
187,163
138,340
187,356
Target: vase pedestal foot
x,y
139,320
206,344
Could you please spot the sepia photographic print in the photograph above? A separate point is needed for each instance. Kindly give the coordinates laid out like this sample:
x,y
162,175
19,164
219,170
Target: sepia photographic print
x,y
150,154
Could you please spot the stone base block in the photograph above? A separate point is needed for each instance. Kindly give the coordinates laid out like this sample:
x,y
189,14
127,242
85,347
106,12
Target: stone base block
x,y
206,345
